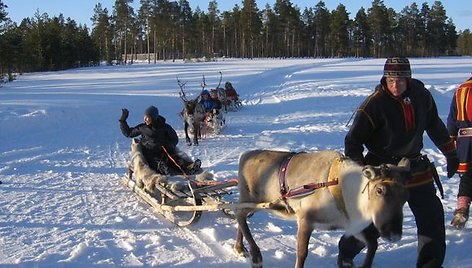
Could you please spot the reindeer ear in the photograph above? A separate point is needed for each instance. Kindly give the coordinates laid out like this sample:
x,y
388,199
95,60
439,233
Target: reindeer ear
x,y
405,162
369,172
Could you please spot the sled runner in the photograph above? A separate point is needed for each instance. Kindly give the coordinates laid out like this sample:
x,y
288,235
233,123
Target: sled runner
x,y
179,198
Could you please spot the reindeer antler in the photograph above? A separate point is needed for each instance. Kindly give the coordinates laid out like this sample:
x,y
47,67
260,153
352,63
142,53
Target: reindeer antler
x,y
203,83
219,83
182,92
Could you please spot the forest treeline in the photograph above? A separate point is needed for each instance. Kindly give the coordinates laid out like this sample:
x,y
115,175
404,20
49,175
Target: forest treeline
x,y
169,30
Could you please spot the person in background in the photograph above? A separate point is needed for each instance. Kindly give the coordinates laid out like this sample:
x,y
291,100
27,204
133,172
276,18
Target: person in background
x,y
158,141
207,102
231,93
459,125
390,124
217,103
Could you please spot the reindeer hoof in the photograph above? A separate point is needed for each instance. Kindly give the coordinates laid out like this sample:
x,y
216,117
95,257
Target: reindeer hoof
x,y
257,265
242,252
344,262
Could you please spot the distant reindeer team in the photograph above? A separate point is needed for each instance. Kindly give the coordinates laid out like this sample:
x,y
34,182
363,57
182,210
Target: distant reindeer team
x,y
196,120
192,114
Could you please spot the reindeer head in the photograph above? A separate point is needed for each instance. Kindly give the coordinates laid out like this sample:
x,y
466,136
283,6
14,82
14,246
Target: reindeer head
x,y
387,195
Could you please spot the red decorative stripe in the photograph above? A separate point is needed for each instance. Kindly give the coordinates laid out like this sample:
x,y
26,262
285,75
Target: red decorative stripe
x,y
464,167
408,114
464,102
420,178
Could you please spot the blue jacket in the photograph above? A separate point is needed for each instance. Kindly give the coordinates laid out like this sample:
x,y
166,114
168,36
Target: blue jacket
x,y
210,104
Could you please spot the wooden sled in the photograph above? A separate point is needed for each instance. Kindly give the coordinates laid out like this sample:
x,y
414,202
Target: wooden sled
x,y
183,204
179,198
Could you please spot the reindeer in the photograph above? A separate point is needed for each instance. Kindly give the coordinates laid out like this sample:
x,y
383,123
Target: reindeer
x,y
192,114
322,190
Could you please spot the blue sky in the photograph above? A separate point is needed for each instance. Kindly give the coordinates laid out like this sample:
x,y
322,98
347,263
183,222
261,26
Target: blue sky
x,y
82,10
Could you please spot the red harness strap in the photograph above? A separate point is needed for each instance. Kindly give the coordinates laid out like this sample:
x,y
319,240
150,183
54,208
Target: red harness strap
x,y
283,170
308,188
300,190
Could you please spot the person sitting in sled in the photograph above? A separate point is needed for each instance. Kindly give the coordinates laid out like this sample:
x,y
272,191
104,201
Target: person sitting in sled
x,y
231,93
217,103
211,104
159,143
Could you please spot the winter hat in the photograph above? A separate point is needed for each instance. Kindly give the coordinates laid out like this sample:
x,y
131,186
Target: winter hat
x,y
397,67
205,92
152,112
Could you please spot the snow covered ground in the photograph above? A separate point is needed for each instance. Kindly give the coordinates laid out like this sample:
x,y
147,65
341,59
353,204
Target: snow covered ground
x,y
62,156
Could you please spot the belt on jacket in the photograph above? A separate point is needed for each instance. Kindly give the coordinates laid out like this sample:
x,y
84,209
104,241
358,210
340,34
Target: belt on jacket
x,y
465,132
417,178
420,178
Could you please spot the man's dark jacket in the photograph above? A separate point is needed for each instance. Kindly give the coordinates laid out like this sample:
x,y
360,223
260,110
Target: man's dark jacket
x,y
392,127
153,136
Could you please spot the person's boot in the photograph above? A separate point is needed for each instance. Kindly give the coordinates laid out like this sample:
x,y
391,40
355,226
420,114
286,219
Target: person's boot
x,y
162,168
194,168
461,214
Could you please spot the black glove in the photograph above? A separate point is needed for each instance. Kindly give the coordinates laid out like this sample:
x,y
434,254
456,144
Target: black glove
x,y
124,114
452,164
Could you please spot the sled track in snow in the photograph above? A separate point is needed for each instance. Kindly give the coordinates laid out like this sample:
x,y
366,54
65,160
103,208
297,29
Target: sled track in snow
x,y
213,247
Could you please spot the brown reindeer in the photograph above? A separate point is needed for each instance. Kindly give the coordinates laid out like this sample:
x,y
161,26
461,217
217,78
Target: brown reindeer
x,y
321,190
192,114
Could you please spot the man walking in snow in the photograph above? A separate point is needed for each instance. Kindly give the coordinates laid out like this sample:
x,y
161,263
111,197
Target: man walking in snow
x,y
459,125
390,124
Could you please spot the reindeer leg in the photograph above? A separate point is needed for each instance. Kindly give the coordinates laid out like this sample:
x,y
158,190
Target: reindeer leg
x,y
244,229
196,133
370,234
305,228
187,138
239,246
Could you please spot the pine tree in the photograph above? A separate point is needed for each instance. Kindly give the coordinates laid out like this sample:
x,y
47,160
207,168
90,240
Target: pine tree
x,y
123,19
450,38
213,24
380,26
412,28
185,24
321,29
464,43
269,27
361,34
252,25
339,36
436,29
102,33
144,21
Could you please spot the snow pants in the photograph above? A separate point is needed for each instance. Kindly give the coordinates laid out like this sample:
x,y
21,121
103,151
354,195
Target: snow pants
x,y
465,185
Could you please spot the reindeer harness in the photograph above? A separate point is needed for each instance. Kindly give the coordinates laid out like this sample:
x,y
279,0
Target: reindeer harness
x,y
307,189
